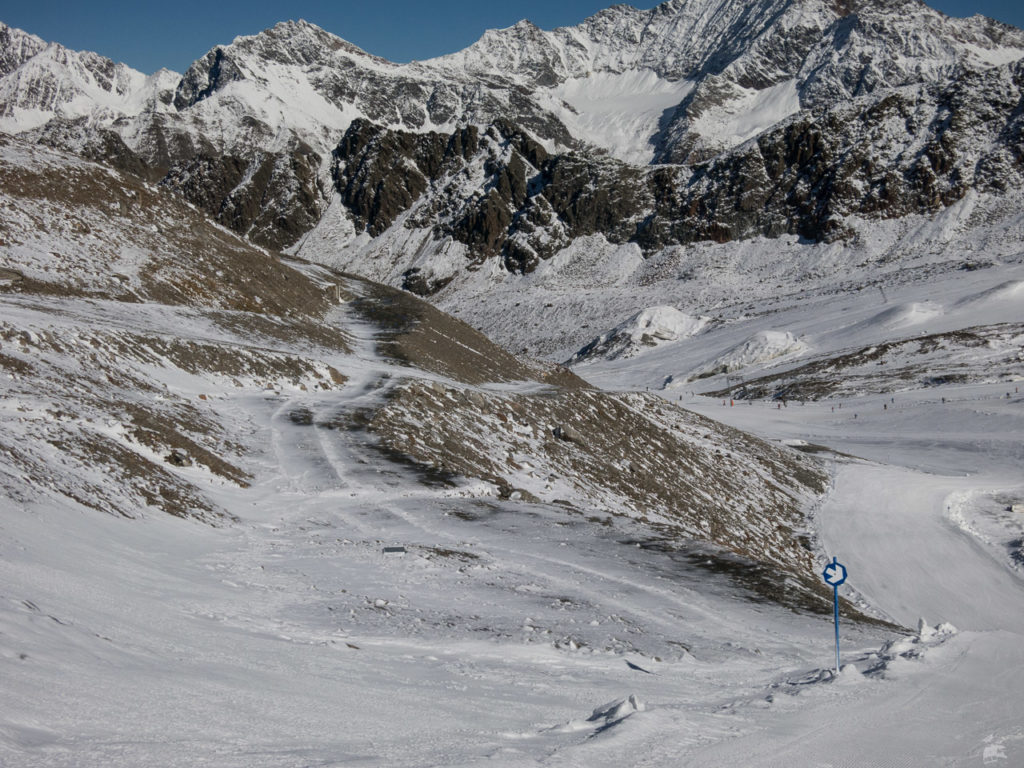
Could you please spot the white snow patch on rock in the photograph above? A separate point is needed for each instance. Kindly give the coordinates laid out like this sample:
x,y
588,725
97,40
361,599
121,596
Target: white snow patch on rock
x,y
749,113
618,111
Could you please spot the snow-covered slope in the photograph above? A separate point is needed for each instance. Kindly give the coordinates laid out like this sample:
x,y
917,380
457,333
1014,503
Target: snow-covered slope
x,y
381,519
99,279
620,112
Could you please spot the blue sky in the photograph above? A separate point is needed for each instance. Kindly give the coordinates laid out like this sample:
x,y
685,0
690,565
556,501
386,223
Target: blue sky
x,y
148,36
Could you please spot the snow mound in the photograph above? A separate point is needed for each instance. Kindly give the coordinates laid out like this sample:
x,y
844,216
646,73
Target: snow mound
x,y
811,681
648,328
762,347
896,653
615,711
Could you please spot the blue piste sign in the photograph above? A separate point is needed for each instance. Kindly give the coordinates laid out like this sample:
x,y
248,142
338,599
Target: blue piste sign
x,y
834,575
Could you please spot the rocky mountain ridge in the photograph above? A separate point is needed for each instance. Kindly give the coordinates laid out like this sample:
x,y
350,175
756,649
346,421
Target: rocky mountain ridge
x,y
917,150
787,117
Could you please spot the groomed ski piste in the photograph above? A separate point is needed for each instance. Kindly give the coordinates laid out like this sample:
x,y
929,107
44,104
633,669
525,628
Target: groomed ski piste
x,y
354,616
925,511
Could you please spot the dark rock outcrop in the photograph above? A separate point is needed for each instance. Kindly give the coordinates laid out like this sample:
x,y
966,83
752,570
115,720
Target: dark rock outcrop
x,y
503,196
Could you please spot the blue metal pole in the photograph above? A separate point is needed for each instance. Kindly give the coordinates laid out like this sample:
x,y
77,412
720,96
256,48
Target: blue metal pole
x,y
835,600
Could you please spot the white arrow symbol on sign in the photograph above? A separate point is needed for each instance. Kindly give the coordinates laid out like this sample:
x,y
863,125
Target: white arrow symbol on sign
x,y
835,574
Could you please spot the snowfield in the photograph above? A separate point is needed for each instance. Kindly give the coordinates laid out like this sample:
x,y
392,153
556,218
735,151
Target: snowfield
x,y
520,633
620,112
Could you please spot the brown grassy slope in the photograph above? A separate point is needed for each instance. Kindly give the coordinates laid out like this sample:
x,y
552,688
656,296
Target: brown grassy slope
x,y
418,333
689,478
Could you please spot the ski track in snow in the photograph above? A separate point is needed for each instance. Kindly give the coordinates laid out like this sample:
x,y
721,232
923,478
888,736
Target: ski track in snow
x,y
895,528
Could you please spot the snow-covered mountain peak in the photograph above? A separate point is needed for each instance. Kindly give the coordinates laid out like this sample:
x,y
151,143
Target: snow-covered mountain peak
x,y
294,49
17,47
756,45
297,42
258,126
42,80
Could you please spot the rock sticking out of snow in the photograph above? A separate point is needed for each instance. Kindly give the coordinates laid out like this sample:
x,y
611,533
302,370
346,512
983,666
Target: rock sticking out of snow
x,y
616,711
604,717
567,433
